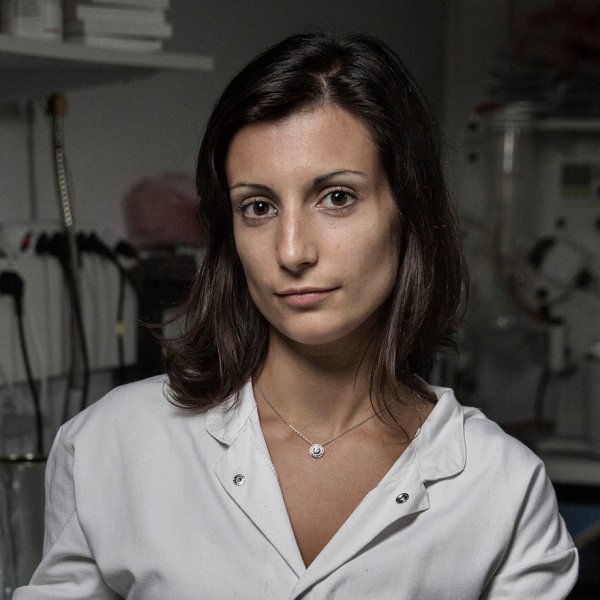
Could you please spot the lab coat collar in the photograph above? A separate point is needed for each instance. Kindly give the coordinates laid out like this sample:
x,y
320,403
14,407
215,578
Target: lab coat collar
x,y
439,448
438,452
247,474
225,421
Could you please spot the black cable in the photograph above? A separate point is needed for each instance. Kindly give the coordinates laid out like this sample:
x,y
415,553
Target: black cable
x,y
58,246
78,314
66,414
11,283
124,276
93,244
41,248
56,108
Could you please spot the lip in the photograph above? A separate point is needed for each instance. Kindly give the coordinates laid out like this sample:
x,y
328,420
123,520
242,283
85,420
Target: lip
x,y
306,296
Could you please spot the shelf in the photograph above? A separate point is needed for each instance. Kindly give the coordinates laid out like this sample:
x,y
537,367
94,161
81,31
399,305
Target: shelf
x,y
32,68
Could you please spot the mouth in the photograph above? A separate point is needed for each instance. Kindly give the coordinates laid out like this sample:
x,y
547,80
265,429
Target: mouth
x,y
305,296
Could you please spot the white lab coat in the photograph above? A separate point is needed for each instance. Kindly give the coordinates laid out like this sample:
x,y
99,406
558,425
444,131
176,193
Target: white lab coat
x,y
143,503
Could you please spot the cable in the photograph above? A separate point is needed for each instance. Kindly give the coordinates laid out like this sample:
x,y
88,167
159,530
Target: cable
x,y
93,244
57,246
126,250
11,283
56,108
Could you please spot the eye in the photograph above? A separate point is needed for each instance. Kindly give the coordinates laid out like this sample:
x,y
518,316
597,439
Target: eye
x,y
337,199
257,209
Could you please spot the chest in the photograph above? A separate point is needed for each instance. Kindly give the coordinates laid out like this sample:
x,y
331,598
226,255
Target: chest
x,y
321,494
199,531
234,546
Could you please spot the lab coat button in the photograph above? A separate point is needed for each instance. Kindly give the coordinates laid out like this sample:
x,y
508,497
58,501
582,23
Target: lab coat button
x,y
239,479
402,498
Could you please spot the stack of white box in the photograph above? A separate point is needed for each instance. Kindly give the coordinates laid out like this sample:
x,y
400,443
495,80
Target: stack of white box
x,y
136,25
41,19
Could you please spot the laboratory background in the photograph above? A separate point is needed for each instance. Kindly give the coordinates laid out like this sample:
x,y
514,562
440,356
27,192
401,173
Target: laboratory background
x,y
102,108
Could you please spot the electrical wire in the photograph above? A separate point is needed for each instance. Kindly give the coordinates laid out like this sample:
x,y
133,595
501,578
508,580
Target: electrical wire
x,y
39,359
80,337
94,244
11,284
39,425
79,376
91,286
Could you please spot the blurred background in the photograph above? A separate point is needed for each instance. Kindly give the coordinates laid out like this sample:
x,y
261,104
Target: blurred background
x,y
102,108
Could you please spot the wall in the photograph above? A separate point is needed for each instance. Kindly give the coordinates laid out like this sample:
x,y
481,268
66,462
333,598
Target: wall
x,y
119,133
475,35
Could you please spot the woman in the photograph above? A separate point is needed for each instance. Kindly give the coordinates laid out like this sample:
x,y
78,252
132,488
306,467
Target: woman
x,y
300,455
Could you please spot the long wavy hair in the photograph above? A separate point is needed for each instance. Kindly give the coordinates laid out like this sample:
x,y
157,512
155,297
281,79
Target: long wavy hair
x,y
225,337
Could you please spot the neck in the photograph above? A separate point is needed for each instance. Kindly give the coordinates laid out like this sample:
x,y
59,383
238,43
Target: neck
x,y
322,389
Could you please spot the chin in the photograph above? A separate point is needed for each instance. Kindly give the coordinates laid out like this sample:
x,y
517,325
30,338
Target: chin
x,y
324,335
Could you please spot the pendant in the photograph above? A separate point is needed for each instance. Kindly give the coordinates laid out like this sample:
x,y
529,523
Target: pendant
x,y
316,451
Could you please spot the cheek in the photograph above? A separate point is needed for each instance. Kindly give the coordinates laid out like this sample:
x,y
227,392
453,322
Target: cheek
x,y
244,252
254,268
251,268
379,256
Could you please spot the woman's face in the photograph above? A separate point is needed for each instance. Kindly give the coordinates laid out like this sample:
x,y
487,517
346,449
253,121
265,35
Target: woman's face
x,y
315,224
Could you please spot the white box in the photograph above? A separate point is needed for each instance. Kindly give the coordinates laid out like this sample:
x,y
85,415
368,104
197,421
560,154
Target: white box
x,y
32,18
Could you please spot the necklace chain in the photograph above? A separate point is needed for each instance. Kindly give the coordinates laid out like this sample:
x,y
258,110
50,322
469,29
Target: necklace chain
x,y
316,450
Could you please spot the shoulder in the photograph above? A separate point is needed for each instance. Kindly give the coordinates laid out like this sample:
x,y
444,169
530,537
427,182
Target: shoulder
x,y
135,409
508,473
490,478
490,446
459,439
148,395
517,505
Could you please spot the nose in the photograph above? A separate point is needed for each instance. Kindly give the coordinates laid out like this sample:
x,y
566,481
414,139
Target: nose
x,y
296,246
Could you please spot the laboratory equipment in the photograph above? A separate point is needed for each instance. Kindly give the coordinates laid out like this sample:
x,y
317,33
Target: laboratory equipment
x,y
532,219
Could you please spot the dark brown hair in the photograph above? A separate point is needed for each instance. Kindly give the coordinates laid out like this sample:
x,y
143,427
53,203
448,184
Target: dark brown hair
x,y
225,338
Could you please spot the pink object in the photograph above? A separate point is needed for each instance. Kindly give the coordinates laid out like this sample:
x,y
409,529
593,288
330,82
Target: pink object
x,y
163,211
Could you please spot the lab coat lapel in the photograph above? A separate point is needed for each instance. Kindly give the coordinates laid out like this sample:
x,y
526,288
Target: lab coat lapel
x,y
246,473
384,509
438,452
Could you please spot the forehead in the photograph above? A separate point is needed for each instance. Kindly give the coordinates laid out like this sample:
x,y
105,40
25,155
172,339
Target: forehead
x,y
325,138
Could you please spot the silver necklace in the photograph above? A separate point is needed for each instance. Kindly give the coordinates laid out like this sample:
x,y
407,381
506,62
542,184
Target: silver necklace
x,y
315,450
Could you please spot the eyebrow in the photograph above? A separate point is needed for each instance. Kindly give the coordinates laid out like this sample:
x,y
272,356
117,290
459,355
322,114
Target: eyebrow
x,y
320,180
256,186
324,178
